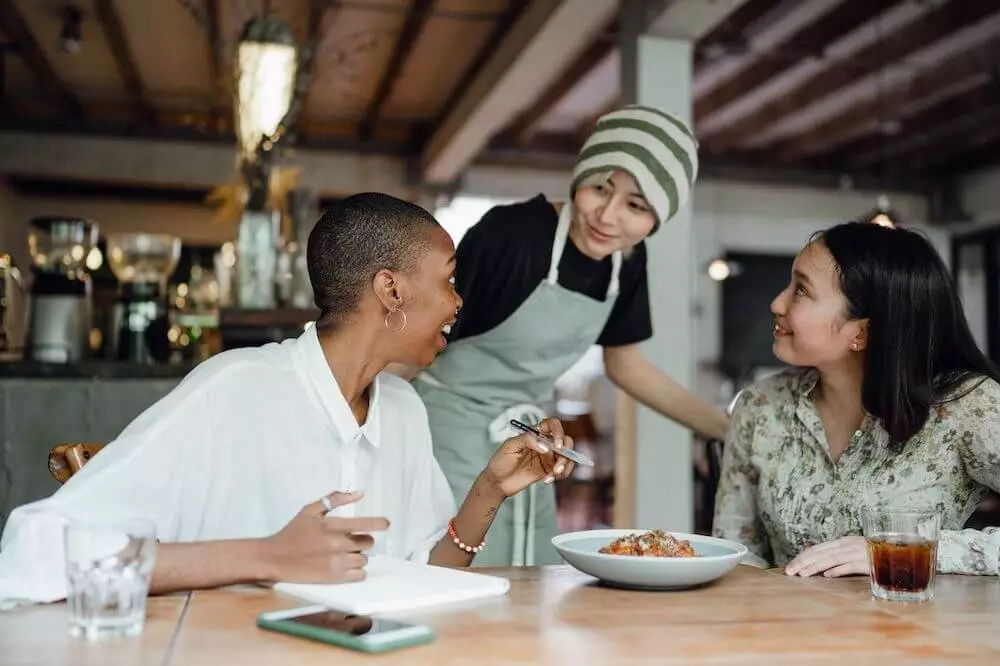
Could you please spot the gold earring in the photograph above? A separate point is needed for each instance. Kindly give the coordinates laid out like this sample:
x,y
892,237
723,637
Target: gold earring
x,y
401,326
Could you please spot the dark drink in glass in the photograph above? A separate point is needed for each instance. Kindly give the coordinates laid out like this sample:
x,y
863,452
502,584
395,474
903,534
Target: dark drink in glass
x,y
902,554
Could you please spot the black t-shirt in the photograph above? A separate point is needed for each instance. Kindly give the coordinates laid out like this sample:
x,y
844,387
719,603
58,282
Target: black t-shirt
x,y
506,255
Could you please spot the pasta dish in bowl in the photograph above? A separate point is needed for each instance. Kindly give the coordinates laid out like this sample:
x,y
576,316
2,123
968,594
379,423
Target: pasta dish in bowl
x,y
656,543
649,559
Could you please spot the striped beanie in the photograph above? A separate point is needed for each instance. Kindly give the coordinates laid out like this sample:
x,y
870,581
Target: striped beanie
x,y
654,147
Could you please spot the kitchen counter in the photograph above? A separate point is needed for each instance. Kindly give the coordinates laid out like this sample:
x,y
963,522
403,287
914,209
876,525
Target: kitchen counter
x,y
42,405
93,369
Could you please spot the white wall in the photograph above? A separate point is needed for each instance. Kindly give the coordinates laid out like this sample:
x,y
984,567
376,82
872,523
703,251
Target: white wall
x,y
980,196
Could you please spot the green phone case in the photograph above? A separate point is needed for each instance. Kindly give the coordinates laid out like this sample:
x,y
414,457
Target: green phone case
x,y
337,638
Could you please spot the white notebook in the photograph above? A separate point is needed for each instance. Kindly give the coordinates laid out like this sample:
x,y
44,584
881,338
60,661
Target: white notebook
x,y
396,586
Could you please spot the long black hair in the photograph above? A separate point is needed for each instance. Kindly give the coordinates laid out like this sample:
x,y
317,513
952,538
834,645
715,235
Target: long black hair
x,y
920,349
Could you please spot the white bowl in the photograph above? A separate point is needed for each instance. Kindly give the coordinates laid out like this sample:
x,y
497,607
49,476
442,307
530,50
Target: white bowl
x,y
716,558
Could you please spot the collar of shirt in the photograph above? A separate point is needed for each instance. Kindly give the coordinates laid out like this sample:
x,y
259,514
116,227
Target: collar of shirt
x,y
805,411
313,365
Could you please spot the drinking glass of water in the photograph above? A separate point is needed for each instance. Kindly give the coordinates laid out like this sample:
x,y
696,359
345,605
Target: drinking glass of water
x,y
108,567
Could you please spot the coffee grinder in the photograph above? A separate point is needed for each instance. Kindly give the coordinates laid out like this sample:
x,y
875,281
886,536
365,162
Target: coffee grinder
x,y
142,263
59,317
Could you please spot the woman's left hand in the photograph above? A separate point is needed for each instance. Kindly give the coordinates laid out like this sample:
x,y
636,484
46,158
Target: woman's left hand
x,y
525,459
845,556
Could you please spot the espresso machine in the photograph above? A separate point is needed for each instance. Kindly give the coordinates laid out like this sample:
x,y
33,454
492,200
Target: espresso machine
x,y
142,263
59,317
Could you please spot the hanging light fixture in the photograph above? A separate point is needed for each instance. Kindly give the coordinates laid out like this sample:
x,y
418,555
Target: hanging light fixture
x,y
70,34
882,214
889,125
266,61
721,268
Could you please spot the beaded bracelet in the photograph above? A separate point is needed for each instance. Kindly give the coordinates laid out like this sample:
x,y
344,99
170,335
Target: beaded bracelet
x,y
458,542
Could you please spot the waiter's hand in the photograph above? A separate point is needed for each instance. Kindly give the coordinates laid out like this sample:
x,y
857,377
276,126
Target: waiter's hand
x,y
526,459
314,549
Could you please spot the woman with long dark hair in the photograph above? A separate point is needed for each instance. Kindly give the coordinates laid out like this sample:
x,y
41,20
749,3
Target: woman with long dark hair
x,y
890,404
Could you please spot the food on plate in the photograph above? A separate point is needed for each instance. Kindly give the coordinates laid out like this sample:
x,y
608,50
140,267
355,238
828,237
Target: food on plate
x,y
656,543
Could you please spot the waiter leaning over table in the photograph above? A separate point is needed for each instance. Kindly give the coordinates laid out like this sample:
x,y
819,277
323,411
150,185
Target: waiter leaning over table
x,y
541,286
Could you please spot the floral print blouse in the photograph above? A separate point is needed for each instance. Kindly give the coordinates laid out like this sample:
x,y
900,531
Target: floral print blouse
x,y
781,492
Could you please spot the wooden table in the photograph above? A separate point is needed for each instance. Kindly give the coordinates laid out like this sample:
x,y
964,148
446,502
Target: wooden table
x,y
555,615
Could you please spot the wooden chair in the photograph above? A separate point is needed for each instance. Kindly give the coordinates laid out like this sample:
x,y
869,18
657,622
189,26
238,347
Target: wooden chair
x,y
65,460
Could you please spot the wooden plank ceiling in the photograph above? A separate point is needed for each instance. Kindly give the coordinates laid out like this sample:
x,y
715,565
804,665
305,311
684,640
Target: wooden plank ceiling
x,y
380,71
898,89
895,87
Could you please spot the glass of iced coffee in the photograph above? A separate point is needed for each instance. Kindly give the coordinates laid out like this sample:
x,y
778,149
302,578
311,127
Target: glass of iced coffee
x,y
902,553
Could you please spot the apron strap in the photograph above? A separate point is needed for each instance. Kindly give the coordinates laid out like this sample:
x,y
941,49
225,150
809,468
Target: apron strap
x,y
520,529
616,269
529,550
523,543
559,244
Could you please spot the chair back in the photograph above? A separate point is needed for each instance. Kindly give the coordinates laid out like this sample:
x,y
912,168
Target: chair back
x,y
65,460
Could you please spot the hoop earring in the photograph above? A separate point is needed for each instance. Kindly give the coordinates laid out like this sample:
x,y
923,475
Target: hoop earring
x,y
389,314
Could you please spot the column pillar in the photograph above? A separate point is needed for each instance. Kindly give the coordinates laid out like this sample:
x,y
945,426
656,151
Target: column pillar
x,y
657,71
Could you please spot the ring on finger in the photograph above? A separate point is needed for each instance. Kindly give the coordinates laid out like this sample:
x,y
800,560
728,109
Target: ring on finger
x,y
326,503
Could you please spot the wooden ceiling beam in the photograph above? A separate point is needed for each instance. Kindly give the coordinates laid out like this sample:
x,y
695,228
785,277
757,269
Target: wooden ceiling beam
x,y
307,63
346,166
730,34
950,140
503,26
929,28
958,159
216,60
810,41
529,122
12,24
929,128
585,128
547,36
413,25
111,24
840,128
5,48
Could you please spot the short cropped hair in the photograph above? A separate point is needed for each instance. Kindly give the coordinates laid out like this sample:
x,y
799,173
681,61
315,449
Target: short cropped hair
x,y
354,240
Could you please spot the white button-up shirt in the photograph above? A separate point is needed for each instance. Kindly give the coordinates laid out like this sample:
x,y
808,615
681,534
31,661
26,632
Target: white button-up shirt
x,y
246,440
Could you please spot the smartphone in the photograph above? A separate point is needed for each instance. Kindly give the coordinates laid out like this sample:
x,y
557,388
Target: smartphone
x,y
358,632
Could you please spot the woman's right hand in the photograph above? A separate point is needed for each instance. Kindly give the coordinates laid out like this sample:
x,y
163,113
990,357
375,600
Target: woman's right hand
x,y
312,548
